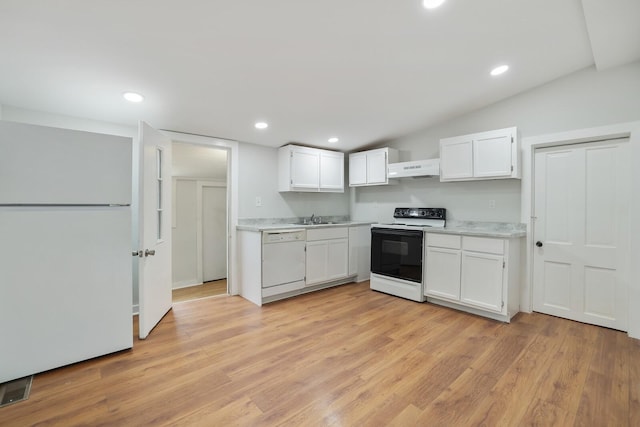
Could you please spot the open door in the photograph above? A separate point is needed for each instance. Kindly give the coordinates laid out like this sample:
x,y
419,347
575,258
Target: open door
x,y
154,227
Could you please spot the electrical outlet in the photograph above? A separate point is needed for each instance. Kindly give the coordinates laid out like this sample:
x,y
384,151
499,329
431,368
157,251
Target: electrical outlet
x,y
492,204
258,201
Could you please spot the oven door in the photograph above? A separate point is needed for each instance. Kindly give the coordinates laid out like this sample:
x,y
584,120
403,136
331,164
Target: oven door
x,y
397,253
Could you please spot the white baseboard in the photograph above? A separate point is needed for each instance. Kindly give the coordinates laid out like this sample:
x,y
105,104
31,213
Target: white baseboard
x,y
363,277
186,284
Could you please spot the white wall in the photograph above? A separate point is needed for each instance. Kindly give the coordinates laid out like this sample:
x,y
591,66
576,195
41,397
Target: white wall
x,y
16,114
586,98
259,178
184,235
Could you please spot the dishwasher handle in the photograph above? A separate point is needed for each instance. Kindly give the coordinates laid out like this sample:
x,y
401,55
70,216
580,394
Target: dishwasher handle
x,y
281,236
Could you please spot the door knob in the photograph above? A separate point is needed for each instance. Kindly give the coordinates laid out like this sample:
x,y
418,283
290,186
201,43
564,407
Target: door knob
x,y
149,252
137,253
539,244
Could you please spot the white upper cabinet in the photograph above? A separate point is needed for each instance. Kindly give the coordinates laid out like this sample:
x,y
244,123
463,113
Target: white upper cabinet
x,y
310,169
377,164
305,168
486,155
357,169
456,159
332,171
370,167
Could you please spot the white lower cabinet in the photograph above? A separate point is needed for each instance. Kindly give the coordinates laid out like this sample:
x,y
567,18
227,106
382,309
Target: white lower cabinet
x,y
327,255
481,280
333,256
475,274
443,272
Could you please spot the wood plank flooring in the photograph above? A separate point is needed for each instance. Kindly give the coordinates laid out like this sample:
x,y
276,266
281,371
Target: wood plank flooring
x,y
205,290
346,356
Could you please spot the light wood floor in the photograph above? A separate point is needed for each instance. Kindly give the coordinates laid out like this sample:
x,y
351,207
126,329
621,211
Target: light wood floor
x,y
207,289
347,356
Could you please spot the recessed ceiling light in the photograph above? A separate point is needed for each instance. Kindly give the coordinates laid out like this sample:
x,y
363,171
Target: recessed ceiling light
x,y
333,140
133,97
432,4
261,125
499,70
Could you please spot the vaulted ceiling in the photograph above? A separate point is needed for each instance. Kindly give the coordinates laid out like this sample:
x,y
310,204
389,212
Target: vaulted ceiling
x,y
361,71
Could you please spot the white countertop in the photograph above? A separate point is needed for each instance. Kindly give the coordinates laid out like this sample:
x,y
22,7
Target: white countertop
x,y
485,229
285,226
470,228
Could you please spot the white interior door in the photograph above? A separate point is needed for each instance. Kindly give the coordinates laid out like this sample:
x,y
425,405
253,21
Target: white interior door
x,y
155,228
214,233
581,232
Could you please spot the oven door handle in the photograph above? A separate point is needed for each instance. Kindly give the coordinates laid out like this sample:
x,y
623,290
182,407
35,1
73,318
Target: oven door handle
x,y
396,232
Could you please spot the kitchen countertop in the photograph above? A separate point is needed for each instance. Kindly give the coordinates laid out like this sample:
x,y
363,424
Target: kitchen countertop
x,y
288,223
483,229
504,230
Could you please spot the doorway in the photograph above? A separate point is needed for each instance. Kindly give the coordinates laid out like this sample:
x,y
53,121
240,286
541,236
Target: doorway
x,y
581,235
199,221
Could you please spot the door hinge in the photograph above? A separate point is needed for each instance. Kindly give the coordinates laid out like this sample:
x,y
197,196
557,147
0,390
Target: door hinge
x,y
512,139
291,182
511,168
502,304
504,264
291,154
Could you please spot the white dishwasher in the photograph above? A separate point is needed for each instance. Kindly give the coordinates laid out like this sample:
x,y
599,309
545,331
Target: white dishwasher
x,y
283,261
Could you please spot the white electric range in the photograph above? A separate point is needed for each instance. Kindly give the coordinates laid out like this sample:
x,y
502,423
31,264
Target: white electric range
x,y
397,251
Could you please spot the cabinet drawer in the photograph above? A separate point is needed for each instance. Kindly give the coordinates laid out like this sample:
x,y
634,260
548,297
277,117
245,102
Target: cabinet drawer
x,y
483,244
443,241
327,233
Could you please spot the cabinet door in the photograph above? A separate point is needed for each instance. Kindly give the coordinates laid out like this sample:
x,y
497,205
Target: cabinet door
x,y
492,156
456,159
357,169
305,168
337,259
331,171
377,167
442,278
316,262
353,250
481,282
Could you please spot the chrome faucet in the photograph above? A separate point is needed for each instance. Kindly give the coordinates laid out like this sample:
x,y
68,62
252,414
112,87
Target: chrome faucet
x,y
314,219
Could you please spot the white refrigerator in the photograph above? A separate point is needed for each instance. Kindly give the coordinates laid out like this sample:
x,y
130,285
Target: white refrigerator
x,y
65,247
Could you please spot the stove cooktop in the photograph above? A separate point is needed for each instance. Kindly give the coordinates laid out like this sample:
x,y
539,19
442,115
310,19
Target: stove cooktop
x,y
417,218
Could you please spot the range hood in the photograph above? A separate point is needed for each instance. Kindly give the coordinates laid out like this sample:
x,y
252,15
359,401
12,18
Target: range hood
x,y
416,168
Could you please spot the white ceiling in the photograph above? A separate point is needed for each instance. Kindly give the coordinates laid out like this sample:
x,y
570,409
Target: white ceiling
x,y
614,31
364,71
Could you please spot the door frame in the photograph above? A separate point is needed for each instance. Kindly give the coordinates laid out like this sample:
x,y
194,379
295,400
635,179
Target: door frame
x,y
200,185
232,195
629,130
